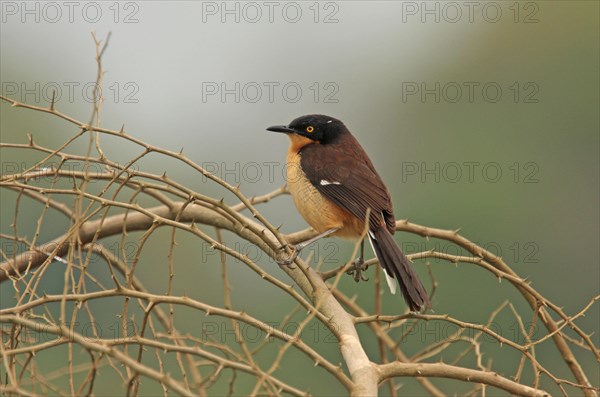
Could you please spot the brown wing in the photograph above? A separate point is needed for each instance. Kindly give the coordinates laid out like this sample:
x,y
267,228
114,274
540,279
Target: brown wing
x,y
344,174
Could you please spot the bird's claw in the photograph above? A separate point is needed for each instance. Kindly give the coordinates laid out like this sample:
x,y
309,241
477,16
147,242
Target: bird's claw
x,y
288,261
357,272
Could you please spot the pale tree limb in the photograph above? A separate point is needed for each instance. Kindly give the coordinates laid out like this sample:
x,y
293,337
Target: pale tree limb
x,y
440,370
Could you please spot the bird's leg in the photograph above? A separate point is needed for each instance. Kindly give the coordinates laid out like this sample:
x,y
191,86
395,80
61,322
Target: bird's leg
x,y
358,265
300,246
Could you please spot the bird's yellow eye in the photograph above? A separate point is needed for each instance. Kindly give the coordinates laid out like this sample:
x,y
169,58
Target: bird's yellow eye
x,y
310,128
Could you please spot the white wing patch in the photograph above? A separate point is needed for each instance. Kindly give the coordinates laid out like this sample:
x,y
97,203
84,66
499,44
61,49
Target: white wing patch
x,y
391,282
325,182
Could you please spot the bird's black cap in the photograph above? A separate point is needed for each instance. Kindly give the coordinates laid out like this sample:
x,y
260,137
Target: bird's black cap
x,y
317,127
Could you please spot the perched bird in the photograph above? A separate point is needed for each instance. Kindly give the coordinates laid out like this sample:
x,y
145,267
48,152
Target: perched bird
x,y
334,185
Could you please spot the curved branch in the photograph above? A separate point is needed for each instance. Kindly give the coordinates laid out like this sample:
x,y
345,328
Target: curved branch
x,y
498,263
440,370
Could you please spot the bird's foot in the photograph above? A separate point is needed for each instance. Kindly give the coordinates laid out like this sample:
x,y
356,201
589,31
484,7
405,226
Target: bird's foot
x,y
358,270
290,259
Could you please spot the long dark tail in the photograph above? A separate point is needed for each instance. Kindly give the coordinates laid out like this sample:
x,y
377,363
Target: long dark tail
x,y
397,266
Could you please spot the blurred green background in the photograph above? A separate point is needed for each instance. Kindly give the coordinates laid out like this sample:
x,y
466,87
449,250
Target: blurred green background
x,y
484,119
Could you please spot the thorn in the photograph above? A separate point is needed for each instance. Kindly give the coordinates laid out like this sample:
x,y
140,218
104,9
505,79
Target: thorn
x,y
456,231
164,175
53,99
278,227
30,139
181,151
122,130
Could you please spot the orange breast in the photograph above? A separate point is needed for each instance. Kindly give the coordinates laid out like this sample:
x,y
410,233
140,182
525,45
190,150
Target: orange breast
x,y
319,212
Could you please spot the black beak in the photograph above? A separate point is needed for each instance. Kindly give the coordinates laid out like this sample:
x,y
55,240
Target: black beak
x,y
282,128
